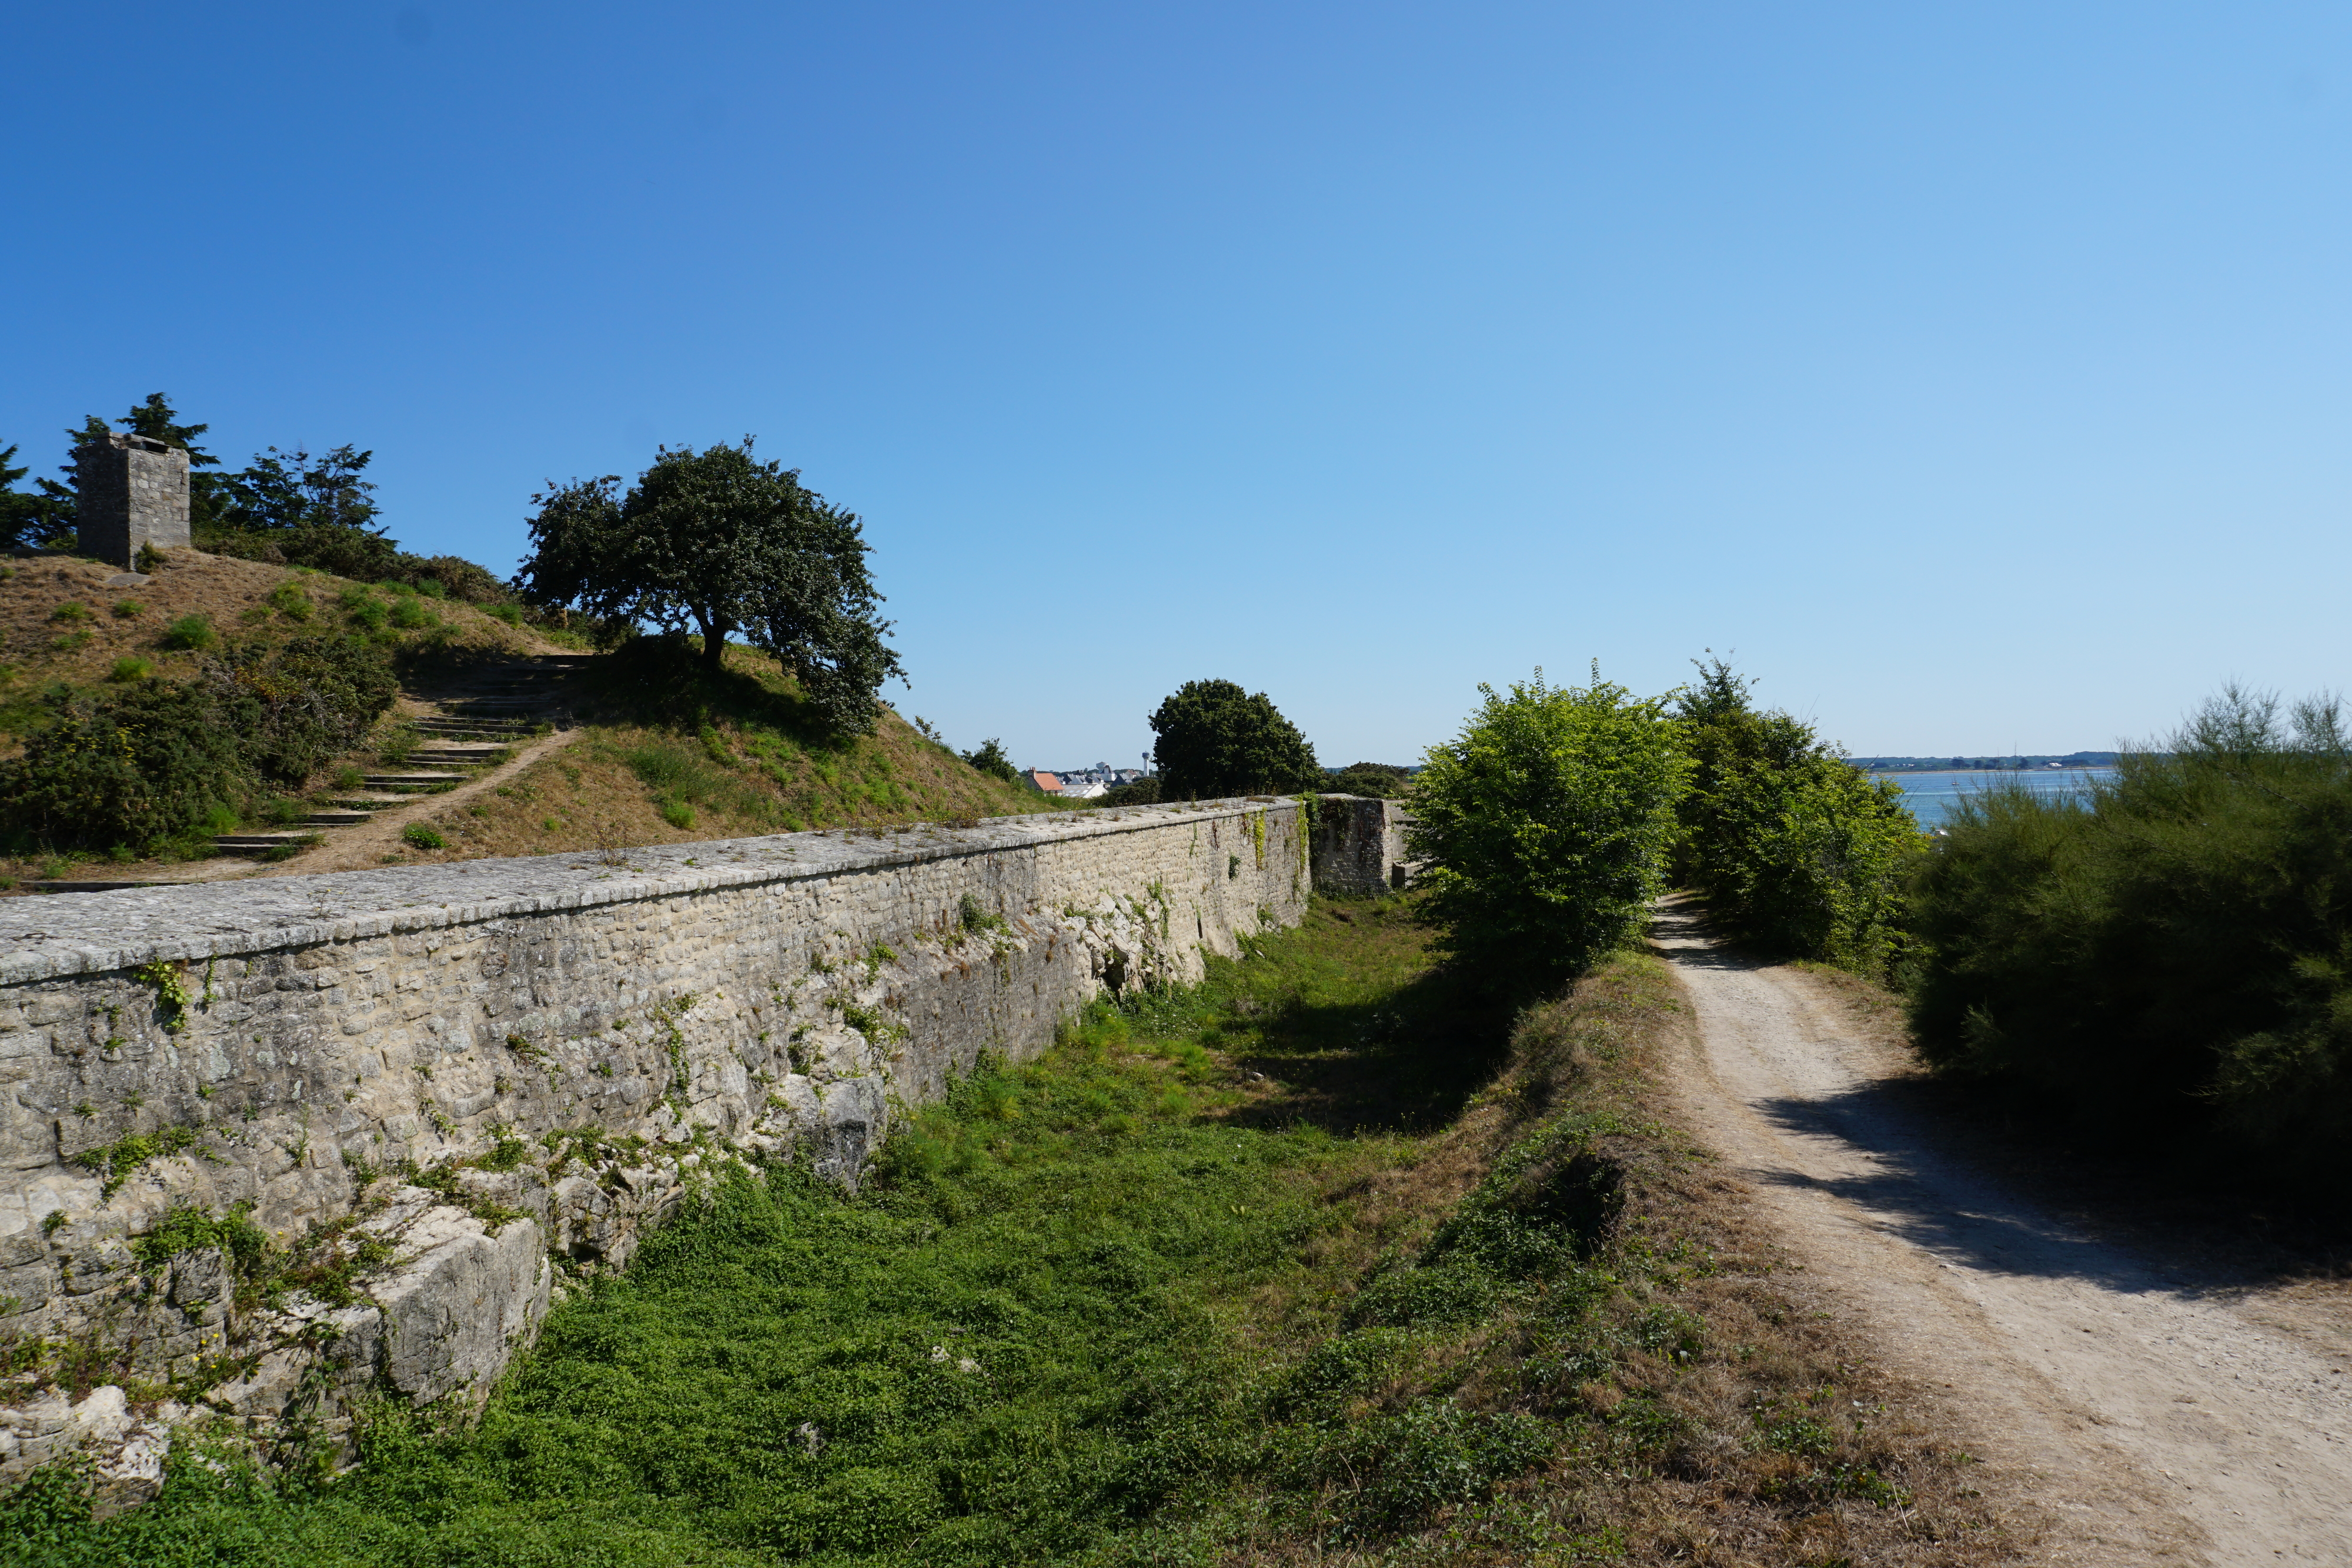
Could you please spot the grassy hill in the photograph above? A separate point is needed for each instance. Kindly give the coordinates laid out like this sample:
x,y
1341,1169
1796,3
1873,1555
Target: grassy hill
x,y
667,754
647,748
59,623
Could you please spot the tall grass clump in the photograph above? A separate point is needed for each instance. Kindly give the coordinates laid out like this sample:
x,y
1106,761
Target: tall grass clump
x,y
1546,824
1797,852
2169,955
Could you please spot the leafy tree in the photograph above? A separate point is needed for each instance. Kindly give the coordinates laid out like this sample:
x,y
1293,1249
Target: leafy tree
x,y
29,520
1796,849
1547,823
990,758
286,490
305,510
1216,739
721,543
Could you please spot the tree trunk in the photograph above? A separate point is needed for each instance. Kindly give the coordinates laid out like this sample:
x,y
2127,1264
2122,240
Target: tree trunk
x,y
714,644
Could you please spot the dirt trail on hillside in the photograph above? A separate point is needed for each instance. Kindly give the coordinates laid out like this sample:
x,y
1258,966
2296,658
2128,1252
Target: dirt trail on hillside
x,y
2158,1409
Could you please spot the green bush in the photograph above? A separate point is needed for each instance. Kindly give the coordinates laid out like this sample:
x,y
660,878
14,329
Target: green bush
x,y
193,633
417,835
1796,851
136,768
130,667
2169,955
1144,791
129,610
70,611
305,701
1381,779
677,814
991,759
410,615
1546,825
141,766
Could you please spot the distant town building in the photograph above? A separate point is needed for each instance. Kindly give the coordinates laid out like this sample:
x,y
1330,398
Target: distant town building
x,y
1048,782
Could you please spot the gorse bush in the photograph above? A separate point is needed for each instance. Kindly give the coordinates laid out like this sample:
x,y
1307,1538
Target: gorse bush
x,y
142,765
1796,851
2169,953
299,705
1546,826
136,768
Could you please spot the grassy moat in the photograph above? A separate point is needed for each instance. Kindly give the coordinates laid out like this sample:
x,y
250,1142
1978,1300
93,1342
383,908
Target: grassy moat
x,y
1322,1261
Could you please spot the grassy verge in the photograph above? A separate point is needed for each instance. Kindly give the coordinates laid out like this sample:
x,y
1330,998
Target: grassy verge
x,y
1320,1262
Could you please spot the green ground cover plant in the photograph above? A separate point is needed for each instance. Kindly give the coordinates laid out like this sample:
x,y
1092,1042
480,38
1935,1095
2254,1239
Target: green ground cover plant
x,y
1324,1260
2166,959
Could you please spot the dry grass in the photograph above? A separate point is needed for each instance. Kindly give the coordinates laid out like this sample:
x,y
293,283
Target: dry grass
x,y
718,774
37,647
1724,1416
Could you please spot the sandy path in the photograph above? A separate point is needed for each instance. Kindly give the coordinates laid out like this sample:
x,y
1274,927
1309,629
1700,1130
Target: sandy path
x,y
2160,1415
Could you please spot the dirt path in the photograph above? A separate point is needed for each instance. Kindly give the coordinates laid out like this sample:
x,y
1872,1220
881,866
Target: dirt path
x,y
2159,1411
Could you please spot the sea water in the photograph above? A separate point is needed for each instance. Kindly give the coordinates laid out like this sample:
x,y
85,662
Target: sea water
x,y
1932,796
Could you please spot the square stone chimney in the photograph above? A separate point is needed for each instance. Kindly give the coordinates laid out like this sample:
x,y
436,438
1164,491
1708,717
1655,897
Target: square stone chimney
x,y
130,490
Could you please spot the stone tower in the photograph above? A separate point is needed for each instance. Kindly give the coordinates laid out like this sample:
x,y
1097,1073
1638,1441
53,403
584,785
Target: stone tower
x,y
130,490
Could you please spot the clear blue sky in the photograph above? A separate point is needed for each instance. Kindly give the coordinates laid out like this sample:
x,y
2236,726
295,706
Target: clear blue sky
x,y
1980,374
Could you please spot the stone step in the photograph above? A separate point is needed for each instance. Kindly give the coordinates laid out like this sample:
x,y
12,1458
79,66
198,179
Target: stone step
x,y
456,755
414,781
364,799
253,844
337,818
469,726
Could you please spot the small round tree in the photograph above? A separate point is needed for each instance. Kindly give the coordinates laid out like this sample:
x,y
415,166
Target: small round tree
x,y
1216,739
1547,824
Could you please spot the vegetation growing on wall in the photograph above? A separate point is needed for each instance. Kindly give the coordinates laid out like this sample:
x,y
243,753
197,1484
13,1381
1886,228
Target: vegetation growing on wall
x,y
2169,955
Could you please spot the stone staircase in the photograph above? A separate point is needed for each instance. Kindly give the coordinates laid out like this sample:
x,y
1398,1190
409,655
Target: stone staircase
x,y
471,724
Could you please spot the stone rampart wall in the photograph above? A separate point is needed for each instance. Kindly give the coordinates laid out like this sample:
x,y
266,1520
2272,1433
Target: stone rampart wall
x,y
1359,845
436,1092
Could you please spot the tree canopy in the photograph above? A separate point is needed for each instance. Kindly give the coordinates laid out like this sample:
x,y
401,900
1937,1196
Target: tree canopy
x,y
721,543
1216,739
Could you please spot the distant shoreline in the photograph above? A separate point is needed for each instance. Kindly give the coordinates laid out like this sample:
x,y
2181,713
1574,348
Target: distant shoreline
x,y
2078,762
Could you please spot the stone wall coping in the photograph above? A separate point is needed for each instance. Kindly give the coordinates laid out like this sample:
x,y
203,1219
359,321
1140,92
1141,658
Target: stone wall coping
x,y
56,935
